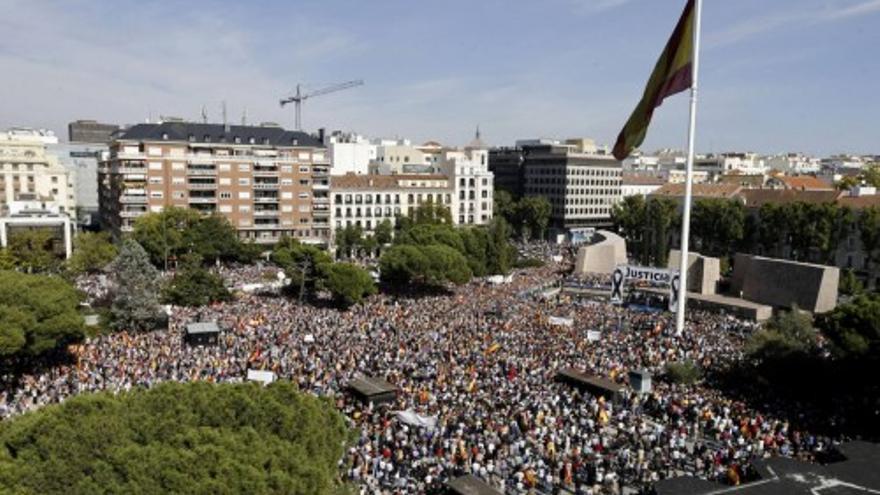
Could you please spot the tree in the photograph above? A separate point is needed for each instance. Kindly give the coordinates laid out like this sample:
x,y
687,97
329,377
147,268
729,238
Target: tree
x,y
630,221
384,232
850,284
91,252
402,264
7,260
348,240
301,263
177,438
445,264
854,328
787,334
136,301
175,232
193,285
349,284
718,226
499,253
38,315
33,249
662,222
432,214
533,213
505,206
869,229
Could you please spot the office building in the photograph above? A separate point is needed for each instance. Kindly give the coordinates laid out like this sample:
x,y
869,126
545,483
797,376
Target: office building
x,y
266,180
582,182
90,131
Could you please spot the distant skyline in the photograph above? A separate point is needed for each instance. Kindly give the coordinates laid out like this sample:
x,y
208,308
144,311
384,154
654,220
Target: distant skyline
x,y
779,76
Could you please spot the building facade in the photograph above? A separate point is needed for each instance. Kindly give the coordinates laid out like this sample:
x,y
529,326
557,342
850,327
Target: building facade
x,y
581,184
350,153
368,200
473,184
82,160
506,165
30,173
90,131
267,181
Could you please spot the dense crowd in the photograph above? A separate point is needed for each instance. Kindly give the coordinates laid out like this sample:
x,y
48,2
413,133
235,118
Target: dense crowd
x,y
486,376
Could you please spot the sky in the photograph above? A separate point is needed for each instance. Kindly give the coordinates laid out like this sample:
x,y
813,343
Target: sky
x,y
776,75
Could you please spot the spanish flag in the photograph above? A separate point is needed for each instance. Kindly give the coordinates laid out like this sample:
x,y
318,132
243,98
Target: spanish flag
x,y
672,74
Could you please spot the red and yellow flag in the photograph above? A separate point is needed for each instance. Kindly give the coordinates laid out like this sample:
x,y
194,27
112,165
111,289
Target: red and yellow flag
x,y
672,74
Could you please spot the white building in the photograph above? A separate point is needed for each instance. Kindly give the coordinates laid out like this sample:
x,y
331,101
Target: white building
x,y
368,200
350,153
640,184
794,163
725,163
33,214
473,183
28,172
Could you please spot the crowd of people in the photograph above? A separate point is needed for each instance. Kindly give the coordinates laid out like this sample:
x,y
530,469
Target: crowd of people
x,y
485,378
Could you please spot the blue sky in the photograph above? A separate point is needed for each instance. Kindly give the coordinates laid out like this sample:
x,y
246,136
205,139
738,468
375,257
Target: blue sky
x,y
778,75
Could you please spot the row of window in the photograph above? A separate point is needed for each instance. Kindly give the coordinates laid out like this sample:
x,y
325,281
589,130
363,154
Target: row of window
x,y
462,182
228,195
369,199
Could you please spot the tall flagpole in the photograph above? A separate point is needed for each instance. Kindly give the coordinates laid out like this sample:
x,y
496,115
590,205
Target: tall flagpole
x,y
689,175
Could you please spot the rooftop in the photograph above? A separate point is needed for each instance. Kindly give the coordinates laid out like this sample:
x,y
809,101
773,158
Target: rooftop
x,y
755,198
218,133
723,191
376,181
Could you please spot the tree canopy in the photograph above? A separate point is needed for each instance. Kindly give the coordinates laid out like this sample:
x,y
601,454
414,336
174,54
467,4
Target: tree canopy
x,y
176,438
176,232
136,300
854,327
92,251
349,284
38,315
34,250
193,285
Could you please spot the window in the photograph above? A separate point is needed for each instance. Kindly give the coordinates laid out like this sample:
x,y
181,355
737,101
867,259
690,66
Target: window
x,y
303,169
178,181
286,168
244,209
244,181
156,194
155,180
226,195
177,166
155,165
244,195
225,181
224,167
244,167
225,208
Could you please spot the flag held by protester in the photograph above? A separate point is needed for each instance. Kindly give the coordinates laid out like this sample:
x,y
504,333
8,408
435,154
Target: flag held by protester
x,y
672,74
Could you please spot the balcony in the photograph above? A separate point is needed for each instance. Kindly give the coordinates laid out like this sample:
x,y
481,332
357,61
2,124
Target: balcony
x,y
133,199
265,173
131,214
201,171
202,200
320,187
263,186
130,156
132,170
266,213
320,213
201,186
263,199
320,201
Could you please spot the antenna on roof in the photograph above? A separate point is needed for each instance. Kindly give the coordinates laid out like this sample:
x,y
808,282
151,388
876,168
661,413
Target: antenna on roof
x,y
149,115
204,115
225,122
244,116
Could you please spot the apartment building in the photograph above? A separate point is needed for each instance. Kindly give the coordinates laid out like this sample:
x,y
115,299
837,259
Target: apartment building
x,y
472,182
368,200
30,173
266,180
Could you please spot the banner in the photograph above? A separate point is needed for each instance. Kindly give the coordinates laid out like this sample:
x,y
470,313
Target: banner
x,y
560,321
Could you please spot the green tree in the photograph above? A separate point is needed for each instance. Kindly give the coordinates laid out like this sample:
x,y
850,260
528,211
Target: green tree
x,y
38,315
850,284
136,301
384,232
7,260
869,229
177,438
175,232
631,221
854,328
717,226
445,264
499,253
533,213
214,239
505,206
300,263
193,285
349,284
402,264
787,334
432,214
91,252
662,223
34,249
348,240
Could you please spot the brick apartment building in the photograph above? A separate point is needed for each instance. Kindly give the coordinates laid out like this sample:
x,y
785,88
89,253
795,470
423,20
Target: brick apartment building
x,y
266,180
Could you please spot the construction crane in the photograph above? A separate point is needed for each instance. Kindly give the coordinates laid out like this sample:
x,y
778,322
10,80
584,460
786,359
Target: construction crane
x,y
299,97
